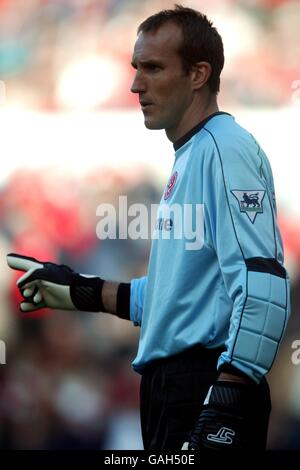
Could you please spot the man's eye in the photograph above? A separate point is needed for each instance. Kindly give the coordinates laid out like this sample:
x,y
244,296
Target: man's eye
x,y
152,67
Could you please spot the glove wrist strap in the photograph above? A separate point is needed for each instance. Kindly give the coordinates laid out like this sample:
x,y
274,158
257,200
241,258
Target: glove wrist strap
x,y
232,395
86,293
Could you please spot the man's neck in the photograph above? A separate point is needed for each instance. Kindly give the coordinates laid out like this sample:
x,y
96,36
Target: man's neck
x,y
197,113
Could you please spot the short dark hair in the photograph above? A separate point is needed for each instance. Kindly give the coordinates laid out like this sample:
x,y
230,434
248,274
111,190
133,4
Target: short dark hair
x,y
201,40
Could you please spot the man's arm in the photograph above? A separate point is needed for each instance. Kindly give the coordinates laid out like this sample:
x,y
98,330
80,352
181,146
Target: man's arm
x,y
235,376
247,241
244,233
47,284
109,296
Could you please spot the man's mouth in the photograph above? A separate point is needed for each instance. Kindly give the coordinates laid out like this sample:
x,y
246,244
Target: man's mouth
x,y
145,104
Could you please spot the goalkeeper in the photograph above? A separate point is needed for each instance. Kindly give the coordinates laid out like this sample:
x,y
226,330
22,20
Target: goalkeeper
x,y
212,318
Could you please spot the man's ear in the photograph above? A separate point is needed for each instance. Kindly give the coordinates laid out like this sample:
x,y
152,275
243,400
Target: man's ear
x,y
200,73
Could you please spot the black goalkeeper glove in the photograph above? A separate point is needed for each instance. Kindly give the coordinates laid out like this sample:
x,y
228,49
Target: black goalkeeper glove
x,y
222,424
46,284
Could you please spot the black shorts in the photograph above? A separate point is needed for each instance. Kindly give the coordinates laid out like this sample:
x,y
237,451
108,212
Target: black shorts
x,y
173,391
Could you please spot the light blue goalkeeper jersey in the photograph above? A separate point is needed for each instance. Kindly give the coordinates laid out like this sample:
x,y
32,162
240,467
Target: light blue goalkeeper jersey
x,y
215,274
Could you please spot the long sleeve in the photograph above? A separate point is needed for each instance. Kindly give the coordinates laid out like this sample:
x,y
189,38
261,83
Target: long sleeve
x,y
244,233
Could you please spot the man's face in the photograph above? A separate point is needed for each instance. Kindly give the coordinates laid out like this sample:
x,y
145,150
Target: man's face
x,y
165,90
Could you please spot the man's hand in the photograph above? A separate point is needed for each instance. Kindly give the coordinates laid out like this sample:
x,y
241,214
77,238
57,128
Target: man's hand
x,y
222,424
46,284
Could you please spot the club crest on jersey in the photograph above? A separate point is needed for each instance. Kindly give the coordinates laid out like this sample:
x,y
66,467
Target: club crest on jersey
x,y
170,185
250,202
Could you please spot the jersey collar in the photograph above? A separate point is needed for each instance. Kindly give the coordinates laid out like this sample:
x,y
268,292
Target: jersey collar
x,y
183,140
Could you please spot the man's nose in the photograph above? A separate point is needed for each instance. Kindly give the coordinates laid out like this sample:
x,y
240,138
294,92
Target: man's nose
x,y
138,84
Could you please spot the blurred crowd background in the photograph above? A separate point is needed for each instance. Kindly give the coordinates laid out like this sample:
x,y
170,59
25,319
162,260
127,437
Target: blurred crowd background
x,y
54,53
67,382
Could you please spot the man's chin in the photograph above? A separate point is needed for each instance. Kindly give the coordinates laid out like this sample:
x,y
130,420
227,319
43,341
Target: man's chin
x,y
152,125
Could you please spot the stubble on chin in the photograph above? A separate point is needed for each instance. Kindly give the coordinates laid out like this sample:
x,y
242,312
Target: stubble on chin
x,y
153,124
